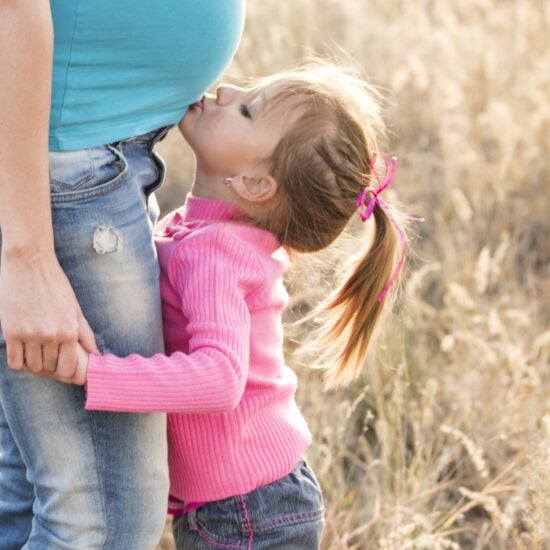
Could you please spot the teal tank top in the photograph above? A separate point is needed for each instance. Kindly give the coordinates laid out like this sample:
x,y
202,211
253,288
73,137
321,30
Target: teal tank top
x,y
126,67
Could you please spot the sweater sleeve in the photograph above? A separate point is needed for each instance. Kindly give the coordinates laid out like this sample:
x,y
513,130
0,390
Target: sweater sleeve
x,y
212,276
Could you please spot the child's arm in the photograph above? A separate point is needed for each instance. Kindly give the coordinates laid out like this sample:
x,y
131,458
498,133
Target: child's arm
x,y
212,276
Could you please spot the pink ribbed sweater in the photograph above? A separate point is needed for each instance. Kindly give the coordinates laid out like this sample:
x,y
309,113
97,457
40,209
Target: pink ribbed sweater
x,y
234,423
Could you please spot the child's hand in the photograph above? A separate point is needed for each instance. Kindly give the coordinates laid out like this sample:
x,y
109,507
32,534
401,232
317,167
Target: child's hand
x,y
80,375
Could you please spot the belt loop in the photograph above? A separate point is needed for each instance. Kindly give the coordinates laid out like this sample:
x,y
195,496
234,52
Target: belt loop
x,y
161,134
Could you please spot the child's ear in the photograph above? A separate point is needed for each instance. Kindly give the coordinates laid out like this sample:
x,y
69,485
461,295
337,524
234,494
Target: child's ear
x,y
255,189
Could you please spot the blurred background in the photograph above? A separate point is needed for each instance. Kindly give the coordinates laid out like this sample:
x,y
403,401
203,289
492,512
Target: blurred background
x,y
445,442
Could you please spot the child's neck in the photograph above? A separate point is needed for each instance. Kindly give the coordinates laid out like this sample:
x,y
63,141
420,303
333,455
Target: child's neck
x,y
211,186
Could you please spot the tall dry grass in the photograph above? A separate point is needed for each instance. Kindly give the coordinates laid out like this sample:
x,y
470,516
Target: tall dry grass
x,y
445,443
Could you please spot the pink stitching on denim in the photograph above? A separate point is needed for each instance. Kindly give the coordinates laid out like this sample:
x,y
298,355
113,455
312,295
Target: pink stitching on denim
x,y
247,517
278,521
218,544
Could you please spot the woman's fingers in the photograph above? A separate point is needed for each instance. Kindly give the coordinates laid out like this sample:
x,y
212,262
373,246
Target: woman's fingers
x,y
66,360
15,353
33,357
50,356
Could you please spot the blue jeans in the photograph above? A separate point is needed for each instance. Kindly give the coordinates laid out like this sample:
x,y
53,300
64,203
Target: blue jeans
x,y
72,479
284,515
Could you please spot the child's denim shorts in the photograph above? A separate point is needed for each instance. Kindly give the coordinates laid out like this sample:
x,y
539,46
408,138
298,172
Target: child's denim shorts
x,y
284,515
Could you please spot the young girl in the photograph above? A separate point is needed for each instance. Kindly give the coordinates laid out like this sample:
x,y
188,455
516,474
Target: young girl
x,y
281,166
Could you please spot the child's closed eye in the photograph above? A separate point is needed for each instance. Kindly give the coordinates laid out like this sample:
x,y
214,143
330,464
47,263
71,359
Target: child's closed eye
x,y
245,111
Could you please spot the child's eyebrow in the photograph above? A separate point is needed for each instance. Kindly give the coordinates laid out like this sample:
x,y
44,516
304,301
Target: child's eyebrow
x,y
256,99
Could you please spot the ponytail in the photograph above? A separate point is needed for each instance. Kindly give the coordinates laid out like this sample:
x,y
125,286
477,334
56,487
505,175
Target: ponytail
x,y
325,164
350,317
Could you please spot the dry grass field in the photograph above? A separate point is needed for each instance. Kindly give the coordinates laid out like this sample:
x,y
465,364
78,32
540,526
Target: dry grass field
x,y
445,442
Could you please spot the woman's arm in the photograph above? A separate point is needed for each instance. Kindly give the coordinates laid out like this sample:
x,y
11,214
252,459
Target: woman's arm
x,y
41,319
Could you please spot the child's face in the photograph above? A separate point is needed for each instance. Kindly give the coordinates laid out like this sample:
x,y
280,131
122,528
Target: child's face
x,y
230,133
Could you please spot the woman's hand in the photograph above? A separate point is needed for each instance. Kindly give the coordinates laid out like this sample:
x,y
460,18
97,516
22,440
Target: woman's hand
x,y
41,318
80,374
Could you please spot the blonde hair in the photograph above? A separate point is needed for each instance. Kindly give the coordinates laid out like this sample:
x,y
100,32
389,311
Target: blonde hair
x,y
321,165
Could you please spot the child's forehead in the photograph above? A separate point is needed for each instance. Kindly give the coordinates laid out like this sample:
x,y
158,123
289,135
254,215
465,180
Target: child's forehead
x,y
262,90
273,94
272,85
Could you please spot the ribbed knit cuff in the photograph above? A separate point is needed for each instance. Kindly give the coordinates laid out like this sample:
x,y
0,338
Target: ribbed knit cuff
x,y
102,391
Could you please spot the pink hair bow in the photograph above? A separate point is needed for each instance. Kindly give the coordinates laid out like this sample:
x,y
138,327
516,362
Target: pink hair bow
x,y
371,196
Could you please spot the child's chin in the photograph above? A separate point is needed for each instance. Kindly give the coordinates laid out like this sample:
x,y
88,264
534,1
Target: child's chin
x,y
182,125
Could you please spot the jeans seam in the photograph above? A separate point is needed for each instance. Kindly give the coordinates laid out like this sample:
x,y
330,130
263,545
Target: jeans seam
x,y
247,522
203,537
284,520
100,482
49,531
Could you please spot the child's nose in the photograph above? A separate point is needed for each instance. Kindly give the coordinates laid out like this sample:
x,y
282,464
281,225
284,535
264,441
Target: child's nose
x,y
223,95
226,93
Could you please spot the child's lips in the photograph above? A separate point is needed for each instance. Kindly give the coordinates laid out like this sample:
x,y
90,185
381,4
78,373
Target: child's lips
x,y
199,104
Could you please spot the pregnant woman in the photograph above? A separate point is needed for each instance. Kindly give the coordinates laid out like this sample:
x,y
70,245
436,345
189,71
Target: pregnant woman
x,y
77,257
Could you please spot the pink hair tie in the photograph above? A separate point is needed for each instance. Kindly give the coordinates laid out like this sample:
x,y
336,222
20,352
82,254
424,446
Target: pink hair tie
x,y
372,197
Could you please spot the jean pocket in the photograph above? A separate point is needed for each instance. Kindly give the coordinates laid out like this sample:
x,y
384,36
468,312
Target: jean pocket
x,y
70,170
218,523
292,500
76,175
